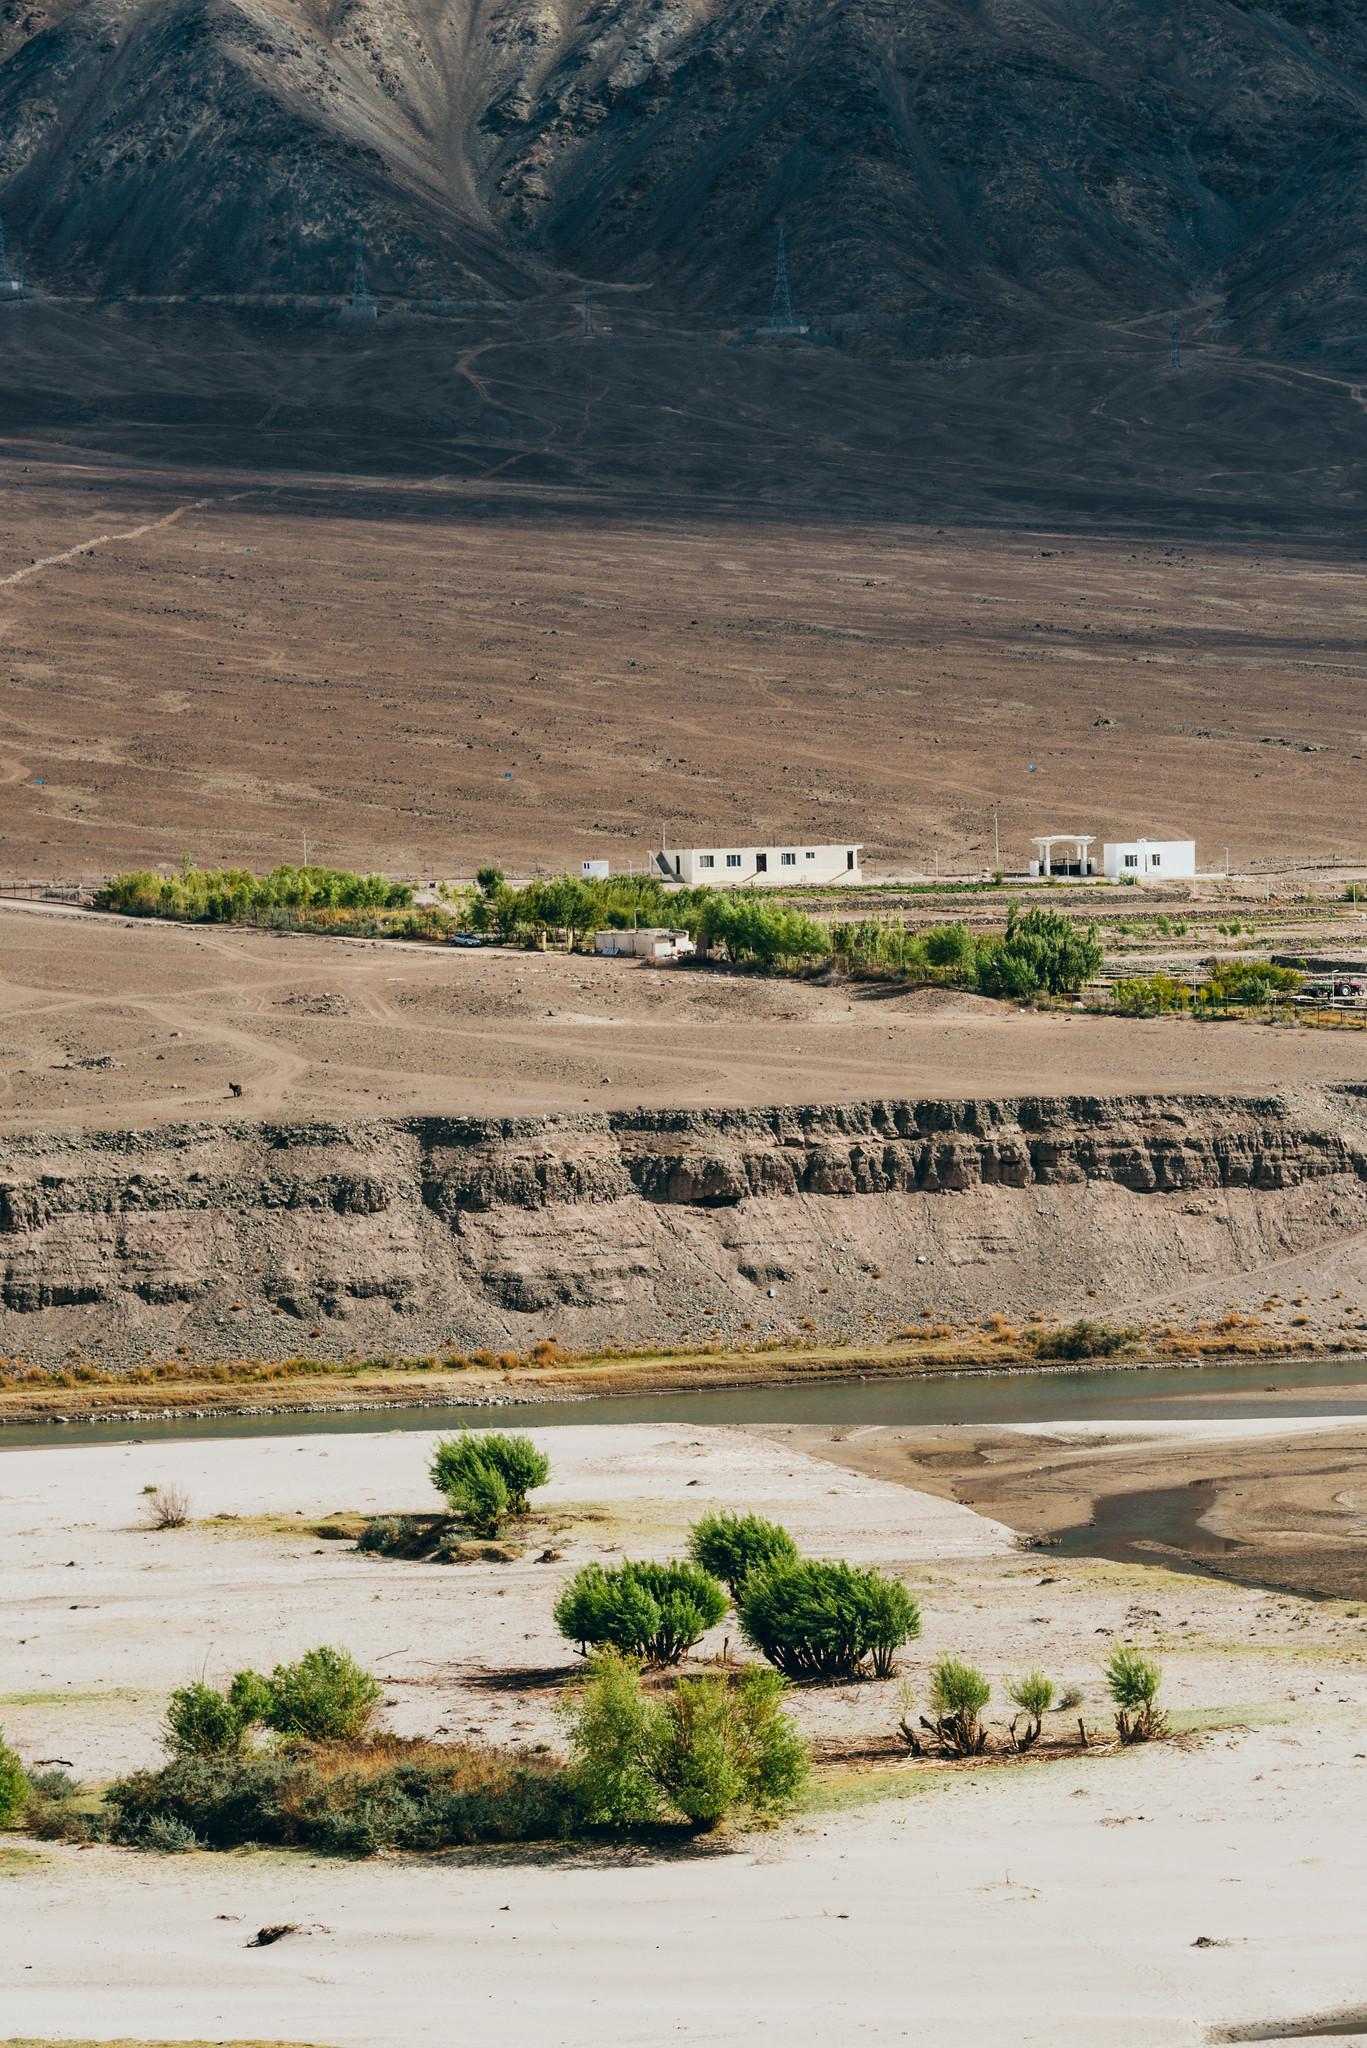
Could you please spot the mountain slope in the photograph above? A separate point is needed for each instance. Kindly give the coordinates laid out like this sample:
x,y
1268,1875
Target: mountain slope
x,y
955,174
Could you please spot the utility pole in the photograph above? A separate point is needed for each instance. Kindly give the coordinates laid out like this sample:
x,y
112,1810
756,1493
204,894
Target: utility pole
x,y
360,306
306,849
996,839
781,306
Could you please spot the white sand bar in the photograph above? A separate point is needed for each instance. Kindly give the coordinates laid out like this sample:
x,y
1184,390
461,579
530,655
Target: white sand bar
x,y
992,1909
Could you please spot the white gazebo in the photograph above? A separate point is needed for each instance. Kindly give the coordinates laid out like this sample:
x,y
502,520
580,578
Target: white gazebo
x,y
1077,862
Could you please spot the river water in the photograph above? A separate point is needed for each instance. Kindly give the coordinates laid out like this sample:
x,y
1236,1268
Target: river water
x,y
1266,1389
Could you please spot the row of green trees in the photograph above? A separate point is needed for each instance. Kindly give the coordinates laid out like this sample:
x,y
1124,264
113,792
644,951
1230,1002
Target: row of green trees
x,y
1039,951
1224,985
236,896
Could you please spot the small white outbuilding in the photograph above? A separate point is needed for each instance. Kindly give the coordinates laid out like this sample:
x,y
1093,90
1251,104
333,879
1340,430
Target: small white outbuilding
x,y
653,943
1144,860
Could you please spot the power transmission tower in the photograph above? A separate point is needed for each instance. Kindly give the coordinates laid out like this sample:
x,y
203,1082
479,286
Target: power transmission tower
x,y
1175,345
360,306
11,282
781,306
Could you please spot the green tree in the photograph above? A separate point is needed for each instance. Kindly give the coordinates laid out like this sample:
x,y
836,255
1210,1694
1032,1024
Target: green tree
x,y
1032,1694
1043,950
610,1726
720,1746
708,1748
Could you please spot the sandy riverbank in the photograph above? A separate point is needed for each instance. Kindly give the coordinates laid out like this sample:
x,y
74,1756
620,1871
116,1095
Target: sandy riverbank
x,y
1279,1502
882,1914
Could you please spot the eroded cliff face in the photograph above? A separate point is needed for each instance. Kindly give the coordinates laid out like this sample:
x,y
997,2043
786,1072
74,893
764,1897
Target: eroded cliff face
x,y
406,1234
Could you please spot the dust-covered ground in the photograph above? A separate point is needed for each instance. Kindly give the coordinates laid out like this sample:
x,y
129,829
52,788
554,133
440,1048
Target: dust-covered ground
x,y
1136,1900
107,1021
443,594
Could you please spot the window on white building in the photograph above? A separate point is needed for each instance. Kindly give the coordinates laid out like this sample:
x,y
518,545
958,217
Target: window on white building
x,y
788,860
809,856
1155,860
1132,860
733,860
707,860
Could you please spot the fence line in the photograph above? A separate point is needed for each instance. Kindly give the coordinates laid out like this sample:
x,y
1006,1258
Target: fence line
x,y
37,891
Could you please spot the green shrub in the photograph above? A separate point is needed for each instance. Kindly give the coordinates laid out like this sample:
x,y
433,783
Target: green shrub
x,y
958,1694
1033,1695
610,1726
734,1547
462,1460
708,1749
1245,981
483,1500
349,1799
325,1697
14,1786
654,1611
1151,995
202,1722
53,1784
381,1535
166,1836
725,1746
816,1620
1083,1339
1133,1680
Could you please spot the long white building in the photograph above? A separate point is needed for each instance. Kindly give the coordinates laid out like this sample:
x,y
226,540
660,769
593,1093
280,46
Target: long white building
x,y
761,867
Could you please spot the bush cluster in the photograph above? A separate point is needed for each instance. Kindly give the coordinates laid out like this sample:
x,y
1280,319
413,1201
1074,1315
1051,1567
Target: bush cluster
x,y
710,1748
1040,950
1227,984
345,1799
1083,1339
324,1697
959,1692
